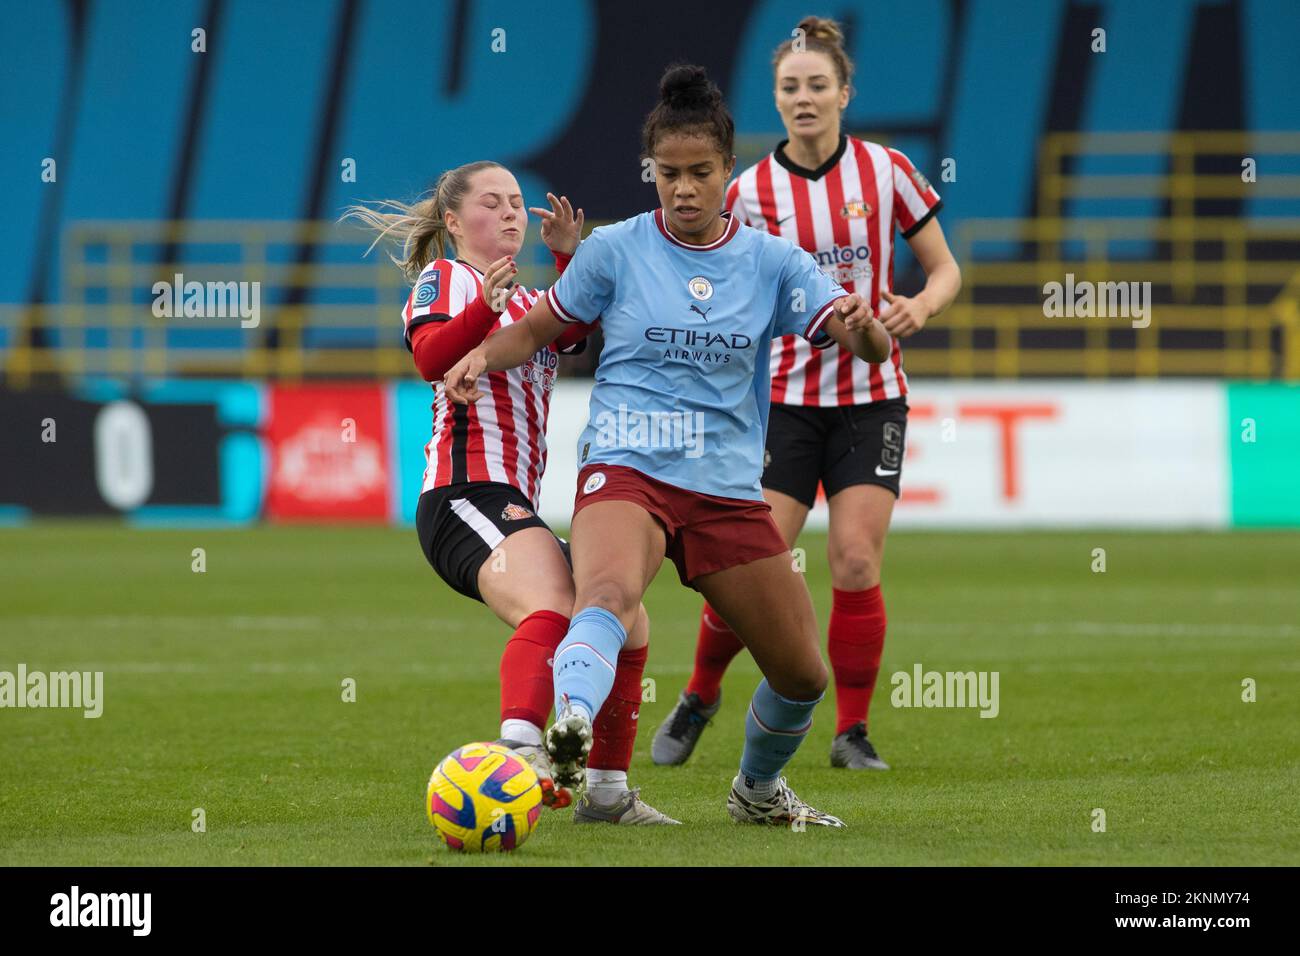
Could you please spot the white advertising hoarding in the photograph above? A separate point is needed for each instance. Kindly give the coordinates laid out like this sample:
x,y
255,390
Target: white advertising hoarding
x,y
1019,454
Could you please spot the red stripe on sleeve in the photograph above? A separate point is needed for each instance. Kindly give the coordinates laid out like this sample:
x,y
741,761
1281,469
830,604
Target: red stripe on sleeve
x,y
444,302
560,311
820,318
904,213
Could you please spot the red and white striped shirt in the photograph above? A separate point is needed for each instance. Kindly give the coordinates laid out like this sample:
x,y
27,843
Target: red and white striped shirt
x,y
844,214
502,436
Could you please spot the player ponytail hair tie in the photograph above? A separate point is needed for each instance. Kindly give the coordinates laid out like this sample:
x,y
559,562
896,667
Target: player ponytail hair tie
x,y
819,35
823,29
689,102
687,87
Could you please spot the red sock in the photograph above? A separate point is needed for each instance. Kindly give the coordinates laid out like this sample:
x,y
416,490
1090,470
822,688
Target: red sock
x,y
614,731
715,648
527,692
857,637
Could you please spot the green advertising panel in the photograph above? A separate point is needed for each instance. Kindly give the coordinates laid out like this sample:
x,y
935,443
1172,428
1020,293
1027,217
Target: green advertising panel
x,y
1264,450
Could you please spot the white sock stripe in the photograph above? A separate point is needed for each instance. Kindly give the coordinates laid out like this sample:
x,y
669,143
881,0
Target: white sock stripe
x,y
590,648
484,528
772,730
708,622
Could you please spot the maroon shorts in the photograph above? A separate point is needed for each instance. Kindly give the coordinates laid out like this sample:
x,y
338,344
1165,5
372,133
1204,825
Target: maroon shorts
x,y
705,533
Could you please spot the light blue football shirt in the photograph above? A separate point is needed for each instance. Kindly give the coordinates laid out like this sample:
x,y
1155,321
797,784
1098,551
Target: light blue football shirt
x,y
682,389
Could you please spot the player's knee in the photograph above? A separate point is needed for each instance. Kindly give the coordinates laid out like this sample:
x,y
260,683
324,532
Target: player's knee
x,y
816,682
807,682
854,568
560,602
513,606
613,597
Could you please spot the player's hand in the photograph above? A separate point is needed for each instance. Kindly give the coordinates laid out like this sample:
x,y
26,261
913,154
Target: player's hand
x,y
904,316
461,381
561,227
498,282
854,312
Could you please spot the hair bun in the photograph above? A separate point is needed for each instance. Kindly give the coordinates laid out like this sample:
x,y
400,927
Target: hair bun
x,y
823,29
685,87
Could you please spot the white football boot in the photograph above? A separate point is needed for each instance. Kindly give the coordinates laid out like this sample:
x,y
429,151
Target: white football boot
x,y
553,795
782,808
568,741
628,810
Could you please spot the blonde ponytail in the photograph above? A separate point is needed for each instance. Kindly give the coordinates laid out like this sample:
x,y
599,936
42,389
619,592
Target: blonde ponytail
x,y
418,228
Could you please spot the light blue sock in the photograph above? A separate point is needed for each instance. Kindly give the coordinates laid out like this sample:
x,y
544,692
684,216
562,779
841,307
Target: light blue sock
x,y
586,658
774,728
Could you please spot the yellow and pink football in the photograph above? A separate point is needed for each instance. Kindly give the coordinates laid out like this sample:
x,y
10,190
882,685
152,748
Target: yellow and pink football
x,y
483,798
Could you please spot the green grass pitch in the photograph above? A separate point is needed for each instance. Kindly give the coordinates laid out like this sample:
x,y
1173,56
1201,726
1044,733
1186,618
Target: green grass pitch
x,y
1119,690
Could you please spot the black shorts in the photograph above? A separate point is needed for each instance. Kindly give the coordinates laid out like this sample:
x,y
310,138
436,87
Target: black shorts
x,y
461,525
839,446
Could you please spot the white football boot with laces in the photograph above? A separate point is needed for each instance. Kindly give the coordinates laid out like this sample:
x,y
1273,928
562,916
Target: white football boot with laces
x,y
782,808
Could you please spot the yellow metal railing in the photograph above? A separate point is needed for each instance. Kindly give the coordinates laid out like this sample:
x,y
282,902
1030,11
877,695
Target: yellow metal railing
x,y
332,313
1235,280
1247,303
1183,183
1226,291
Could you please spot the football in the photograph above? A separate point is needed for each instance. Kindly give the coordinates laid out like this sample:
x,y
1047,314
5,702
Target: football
x,y
483,798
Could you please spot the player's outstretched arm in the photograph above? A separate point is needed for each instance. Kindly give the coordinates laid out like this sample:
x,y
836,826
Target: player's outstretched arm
x,y
853,327
437,346
508,348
